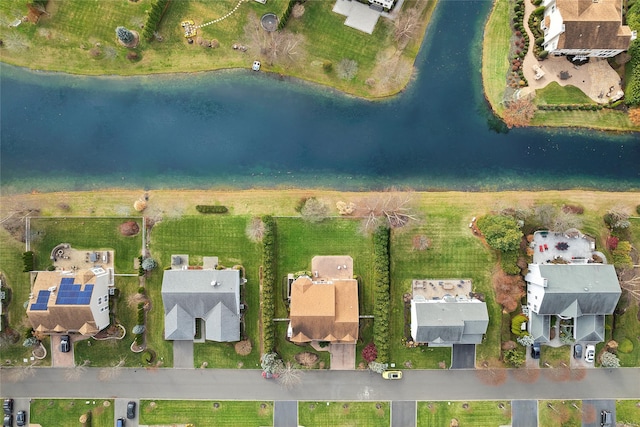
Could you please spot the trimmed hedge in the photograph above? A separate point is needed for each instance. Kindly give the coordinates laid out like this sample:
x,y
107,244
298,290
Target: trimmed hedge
x,y
207,209
28,261
382,281
154,16
268,283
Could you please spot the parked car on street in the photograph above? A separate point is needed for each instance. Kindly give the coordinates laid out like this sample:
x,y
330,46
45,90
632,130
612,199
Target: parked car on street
x,y
577,351
392,375
535,350
590,353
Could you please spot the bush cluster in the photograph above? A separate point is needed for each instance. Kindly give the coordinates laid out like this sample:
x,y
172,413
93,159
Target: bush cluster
x,y
140,313
155,14
522,43
381,277
140,268
509,262
147,357
516,324
207,209
268,282
632,91
572,107
28,261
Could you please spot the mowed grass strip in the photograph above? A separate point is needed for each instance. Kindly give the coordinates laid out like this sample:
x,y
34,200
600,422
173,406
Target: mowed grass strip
x,y
344,414
473,413
213,235
495,54
628,411
454,253
560,413
599,119
67,412
553,93
85,234
206,413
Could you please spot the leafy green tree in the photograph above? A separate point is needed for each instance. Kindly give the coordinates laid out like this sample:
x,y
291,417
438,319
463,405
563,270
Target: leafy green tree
x,y
501,232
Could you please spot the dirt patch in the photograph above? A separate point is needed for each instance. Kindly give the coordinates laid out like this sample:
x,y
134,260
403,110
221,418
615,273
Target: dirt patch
x,y
306,359
243,348
129,228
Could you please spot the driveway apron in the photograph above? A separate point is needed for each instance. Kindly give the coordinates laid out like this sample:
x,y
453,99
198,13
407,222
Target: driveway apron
x,y
183,354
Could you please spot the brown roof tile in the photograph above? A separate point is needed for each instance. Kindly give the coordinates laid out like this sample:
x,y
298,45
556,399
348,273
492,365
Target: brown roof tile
x,y
592,25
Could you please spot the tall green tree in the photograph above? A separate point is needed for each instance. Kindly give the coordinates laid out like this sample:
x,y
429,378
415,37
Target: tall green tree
x,y
501,232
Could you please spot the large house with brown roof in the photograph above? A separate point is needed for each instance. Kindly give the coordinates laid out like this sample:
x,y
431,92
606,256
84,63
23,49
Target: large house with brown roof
x,y
325,307
63,302
585,28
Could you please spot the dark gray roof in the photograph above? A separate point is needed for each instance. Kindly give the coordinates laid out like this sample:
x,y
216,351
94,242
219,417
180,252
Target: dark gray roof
x,y
539,326
212,295
589,328
576,290
449,322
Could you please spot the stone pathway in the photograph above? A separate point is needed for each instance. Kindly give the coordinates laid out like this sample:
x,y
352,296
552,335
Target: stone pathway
x,y
221,18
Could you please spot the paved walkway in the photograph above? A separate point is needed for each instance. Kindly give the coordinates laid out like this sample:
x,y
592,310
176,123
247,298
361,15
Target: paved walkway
x,y
595,78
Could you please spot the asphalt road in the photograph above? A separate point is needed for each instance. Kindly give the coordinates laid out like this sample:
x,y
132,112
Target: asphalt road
x,y
241,384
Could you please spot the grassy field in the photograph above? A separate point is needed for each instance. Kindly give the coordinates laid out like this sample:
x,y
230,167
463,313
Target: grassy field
x,y
55,413
454,253
495,54
627,411
85,234
222,236
77,36
477,414
553,93
344,414
206,413
556,413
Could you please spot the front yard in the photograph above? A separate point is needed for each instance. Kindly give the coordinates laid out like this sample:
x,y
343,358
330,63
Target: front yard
x,y
206,413
476,413
344,414
59,412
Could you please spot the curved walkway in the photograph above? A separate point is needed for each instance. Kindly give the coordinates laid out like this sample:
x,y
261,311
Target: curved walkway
x,y
595,78
221,18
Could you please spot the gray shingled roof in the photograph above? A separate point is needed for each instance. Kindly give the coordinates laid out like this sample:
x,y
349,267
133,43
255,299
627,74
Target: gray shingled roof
x,y
589,328
450,322
539,327
576,290
190,294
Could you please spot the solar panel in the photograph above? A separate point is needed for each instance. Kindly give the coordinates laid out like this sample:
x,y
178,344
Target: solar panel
x,y
67,281
37,306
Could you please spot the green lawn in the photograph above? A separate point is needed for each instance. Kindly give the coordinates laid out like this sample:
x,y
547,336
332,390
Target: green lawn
x,y
206,414
556,413
454,253
628,328
344,414
495,54
476,413
216,235
553,93
85,234
599,119
555,356
58,412
627,411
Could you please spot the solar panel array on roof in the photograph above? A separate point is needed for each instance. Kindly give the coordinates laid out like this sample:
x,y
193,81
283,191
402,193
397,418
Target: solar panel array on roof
x,y
41,302
70,294
66,281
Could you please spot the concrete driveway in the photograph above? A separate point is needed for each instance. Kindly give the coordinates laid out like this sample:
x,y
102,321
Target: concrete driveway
x,y
183,354
343,356
58,358
463,356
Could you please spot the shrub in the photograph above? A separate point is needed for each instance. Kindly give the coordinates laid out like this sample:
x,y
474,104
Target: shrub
x,y
612,242
149,264
129,228
509,263
539,11
314,210
133,56
147,357
138,329
28,261
609,360
141,290
370,352
525,340
516,324
207,209
543,54
327,66
514,358
139,339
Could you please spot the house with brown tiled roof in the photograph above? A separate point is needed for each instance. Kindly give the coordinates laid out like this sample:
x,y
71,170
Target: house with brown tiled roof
x,y
324,307
63,302
585,28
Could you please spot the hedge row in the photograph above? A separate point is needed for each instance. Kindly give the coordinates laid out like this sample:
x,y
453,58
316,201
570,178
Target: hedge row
x,y
285,16
382,280
154,16
207,209
518,27
268,283
571,107
28,261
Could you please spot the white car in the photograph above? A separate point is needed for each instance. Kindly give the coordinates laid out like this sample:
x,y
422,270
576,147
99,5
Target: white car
x,y
590,353
256,66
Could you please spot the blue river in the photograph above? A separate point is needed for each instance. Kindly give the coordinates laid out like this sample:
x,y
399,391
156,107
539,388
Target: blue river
x,y
243,129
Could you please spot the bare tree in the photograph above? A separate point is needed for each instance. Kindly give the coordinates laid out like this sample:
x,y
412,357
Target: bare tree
x,y
518,113
277,46
289,375
298,11
563,221
406,27
255,230
109,374
630,282
347,69
77,372
314,210
390,209
21,373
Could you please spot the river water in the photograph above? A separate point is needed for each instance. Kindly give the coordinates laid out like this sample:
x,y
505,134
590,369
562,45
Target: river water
x,y
244,129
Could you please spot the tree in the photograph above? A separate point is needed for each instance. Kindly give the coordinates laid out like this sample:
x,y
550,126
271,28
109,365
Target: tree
x,y
149,264
298,11
390,209
609,360
270,363
314,210
509,290
289,375
617,218
277,46
255,230
406,26
518,113
501,232
124,35
347,69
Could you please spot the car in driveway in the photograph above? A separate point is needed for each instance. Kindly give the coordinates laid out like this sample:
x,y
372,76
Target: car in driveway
x,y
120,422
65,345
577,351
8,420
606,420
392,375
131,410
7,405
535,350
590,353
21,418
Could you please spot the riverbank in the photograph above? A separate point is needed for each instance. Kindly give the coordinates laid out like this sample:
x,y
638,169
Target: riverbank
x,y
77,37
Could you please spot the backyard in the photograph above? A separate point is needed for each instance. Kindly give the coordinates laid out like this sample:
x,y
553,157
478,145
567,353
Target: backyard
x,y
206,413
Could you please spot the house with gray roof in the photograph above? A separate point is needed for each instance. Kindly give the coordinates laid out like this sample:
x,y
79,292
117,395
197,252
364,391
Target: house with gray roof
x,y
208,296
585,293
448,321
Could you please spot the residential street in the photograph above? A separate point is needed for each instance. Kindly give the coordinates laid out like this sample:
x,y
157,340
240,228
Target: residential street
x,y
623,383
